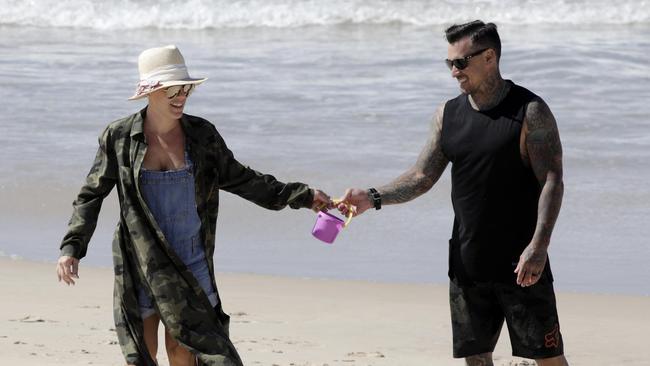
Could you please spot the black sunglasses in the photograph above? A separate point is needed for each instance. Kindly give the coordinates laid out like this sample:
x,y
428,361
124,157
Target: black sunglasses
x,y
462,63
173,91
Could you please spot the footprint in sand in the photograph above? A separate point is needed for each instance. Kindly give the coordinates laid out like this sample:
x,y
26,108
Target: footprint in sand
x,y
241,314
300,343
32,319
366,354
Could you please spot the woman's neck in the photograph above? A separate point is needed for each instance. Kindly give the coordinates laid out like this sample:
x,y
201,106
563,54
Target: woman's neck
x,y
158,124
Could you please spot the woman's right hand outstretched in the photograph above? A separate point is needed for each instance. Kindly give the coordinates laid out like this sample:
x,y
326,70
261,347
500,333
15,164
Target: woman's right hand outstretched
x,y
67,268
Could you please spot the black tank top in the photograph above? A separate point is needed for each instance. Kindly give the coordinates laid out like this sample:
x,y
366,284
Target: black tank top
x,y
494,195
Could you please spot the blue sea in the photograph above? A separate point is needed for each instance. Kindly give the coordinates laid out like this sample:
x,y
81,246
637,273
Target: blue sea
x,y
335,94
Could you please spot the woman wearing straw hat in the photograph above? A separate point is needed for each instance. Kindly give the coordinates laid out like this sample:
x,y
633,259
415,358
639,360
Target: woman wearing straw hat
x,y
168,168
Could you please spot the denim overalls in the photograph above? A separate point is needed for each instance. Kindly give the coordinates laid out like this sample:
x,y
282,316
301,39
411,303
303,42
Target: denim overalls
x,y
171,198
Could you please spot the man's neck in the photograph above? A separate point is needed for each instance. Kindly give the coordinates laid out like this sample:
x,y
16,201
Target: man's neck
x,y
490,93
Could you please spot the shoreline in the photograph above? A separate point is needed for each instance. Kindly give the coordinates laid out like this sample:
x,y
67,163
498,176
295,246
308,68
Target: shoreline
x,y
296,321
408,252
13,257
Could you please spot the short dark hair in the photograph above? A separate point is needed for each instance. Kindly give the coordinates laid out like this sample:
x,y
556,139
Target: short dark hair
x,y
482,35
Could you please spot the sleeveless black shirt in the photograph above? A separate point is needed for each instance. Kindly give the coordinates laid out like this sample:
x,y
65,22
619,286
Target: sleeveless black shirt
x,y
494,195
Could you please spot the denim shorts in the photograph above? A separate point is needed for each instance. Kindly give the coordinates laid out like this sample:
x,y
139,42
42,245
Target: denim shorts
x,y
201,273
170,195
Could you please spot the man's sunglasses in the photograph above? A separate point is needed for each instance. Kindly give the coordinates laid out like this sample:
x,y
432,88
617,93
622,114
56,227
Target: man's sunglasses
x,y
462,63
175,90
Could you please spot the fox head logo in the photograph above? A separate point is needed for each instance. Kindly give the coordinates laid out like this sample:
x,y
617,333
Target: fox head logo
x,y
552,338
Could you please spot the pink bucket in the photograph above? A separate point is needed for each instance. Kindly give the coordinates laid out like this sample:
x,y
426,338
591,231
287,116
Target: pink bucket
x,y
328,226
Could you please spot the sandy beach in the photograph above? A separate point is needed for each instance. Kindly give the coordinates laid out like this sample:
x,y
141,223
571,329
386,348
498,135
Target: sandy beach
x,y
295,322
335,94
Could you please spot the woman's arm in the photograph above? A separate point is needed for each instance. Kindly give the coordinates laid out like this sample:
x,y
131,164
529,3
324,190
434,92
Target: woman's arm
x,y
85,209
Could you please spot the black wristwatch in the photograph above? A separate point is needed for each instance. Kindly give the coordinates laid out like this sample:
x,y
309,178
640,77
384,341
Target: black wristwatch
x,y
375,198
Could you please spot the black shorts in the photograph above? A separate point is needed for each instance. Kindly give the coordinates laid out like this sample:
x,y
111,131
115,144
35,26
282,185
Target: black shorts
x,y
477,314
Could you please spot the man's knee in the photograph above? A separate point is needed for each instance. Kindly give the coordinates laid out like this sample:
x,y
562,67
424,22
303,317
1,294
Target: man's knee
x,y
484,359
553,361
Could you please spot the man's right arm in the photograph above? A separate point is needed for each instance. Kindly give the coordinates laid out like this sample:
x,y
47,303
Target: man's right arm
x,y
424,174
414,182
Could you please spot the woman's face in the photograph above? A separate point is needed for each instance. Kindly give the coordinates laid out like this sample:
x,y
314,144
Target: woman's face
x,y
171,108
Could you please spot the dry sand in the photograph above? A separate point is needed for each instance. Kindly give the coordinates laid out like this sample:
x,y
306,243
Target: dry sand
x,y
295,322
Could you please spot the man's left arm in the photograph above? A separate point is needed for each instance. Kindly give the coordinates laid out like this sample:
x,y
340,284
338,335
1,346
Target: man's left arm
x,y
544,152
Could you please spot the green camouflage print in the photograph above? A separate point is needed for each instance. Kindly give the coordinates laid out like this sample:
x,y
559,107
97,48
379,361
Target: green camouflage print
x,y
140,251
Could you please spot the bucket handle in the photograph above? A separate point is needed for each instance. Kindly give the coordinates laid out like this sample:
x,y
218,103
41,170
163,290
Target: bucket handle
x,y
350,213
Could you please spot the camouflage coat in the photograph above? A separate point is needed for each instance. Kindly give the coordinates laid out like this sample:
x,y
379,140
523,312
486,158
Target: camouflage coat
x,y
140,251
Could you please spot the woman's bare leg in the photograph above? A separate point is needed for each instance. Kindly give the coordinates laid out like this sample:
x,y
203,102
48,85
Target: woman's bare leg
x,y
178,355
150,325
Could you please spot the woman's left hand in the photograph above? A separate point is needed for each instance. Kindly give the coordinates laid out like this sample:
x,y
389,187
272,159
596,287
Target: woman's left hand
x,y
321,202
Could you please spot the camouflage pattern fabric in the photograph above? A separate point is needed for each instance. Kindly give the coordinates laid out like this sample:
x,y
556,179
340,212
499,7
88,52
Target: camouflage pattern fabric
x,y
140,251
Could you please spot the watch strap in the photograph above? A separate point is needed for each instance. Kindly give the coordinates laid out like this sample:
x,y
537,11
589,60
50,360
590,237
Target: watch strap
x,y
375,198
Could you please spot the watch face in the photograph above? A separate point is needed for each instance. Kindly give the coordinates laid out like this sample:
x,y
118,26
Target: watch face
x,y
376,198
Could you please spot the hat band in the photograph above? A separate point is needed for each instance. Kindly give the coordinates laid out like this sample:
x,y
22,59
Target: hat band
x,y
165,73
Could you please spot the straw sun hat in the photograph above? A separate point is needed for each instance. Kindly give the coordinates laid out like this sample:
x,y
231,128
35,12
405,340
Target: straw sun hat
x,y
159,68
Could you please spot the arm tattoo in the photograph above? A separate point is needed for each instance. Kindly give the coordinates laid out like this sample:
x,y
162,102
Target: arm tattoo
x,y
545,153
424,174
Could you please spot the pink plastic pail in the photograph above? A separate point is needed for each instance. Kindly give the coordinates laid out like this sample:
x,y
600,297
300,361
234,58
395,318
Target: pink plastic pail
x,y
327,227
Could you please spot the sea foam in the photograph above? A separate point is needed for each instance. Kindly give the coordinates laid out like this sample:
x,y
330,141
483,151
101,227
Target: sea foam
x,y
206,14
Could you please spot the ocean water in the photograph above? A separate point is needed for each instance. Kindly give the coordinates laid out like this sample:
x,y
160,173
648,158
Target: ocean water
x,y
335,94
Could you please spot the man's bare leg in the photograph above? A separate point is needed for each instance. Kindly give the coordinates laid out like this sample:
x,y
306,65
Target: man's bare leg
x,y
484,359
553,361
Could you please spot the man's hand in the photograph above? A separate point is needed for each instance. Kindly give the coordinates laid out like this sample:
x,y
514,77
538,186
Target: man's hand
x,y
531,264
321,201
359,200
67,268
